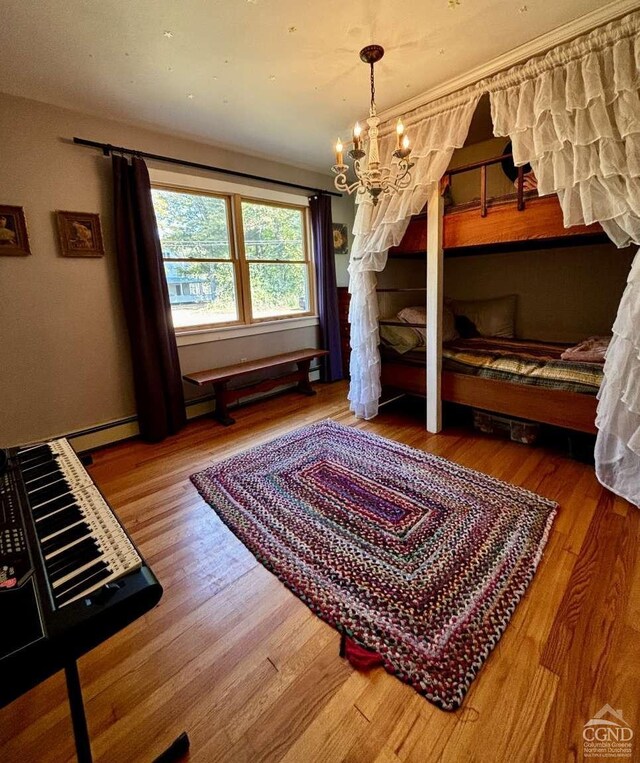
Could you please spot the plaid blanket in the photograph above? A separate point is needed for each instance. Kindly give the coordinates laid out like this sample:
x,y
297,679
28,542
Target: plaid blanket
x,y
522,361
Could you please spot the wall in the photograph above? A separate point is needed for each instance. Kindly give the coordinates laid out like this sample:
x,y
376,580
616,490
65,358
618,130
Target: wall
x,y
401,273
564,294
466,186
64,354
343,212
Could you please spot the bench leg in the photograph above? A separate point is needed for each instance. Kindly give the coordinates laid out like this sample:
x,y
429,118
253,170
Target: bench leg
x,y
221,413
304,385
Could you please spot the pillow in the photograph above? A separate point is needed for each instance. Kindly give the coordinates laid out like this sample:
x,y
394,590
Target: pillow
x,y
401,338
418,314
466,328
492,317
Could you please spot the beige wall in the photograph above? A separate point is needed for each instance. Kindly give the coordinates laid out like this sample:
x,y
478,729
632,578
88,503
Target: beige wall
x,y
401,273
563,294
64,355
466,186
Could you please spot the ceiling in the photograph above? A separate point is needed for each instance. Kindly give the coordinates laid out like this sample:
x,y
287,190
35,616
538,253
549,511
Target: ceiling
x,y
279,78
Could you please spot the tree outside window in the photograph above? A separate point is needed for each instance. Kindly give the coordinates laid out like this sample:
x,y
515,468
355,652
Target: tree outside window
x,y
232,260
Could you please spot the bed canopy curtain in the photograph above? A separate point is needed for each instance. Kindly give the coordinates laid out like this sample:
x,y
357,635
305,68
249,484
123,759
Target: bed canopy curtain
x,y
437,130
154,355
322,227
574,115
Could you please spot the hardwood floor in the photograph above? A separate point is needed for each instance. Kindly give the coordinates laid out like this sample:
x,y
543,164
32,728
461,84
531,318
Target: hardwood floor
x,y
240,663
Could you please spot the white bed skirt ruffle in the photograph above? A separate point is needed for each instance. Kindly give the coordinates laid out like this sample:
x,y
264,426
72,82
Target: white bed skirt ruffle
x,y
617,451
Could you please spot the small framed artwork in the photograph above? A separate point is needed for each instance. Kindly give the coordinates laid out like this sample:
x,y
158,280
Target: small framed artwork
x,y
340,240
80,234
14,241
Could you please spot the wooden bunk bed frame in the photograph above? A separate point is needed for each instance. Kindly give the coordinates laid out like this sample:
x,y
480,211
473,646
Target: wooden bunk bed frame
x,y
517,222
525,219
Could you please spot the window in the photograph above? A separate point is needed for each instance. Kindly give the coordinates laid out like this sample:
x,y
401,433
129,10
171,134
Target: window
x,y
232,260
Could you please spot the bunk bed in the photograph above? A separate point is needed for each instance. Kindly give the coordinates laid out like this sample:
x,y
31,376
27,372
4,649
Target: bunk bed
x,y
543,392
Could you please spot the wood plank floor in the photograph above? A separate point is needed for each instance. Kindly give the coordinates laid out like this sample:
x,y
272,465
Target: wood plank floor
x,y
236,660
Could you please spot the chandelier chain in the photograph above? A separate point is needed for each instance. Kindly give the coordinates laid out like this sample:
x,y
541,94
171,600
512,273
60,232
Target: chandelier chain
x,y
372,108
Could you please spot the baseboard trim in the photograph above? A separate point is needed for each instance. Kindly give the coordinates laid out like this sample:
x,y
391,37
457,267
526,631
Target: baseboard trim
x,y
111,432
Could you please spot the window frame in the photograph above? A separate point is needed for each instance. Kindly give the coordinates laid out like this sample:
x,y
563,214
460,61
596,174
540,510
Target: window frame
x,y
233,200
307,259
231,260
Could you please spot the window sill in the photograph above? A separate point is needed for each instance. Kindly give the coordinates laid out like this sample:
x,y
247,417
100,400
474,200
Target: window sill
x,y
201,336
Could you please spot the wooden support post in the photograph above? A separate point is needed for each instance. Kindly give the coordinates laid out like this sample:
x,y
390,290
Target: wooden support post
x,y
520,188
483,190
435,263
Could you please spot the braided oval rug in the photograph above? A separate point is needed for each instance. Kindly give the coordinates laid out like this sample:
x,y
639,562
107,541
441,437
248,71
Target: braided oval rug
x,y
414,557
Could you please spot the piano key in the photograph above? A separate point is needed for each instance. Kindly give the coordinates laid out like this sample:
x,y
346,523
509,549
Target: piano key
x,y
58,521
59,541
45,479
84,552
78,576
38,488
95,581
33,451
62,558
54,505
38,497
37,470
35,460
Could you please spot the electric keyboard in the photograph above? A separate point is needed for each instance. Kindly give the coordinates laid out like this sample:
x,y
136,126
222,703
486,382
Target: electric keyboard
x,y
70,576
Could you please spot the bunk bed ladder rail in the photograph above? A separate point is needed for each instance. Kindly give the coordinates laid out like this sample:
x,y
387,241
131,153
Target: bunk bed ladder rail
x,y
447,180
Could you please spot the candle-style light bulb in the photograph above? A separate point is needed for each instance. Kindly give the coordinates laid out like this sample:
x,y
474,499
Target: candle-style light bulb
x,y
357,132
405,143
399,132
339,157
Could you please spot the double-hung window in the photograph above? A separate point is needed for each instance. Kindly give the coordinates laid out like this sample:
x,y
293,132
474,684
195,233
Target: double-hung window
x,y
233,260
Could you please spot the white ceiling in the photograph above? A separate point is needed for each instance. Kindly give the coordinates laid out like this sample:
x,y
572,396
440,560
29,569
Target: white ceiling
x,y
274,77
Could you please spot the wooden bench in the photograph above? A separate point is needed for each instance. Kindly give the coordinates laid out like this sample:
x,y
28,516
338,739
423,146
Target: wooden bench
x,y
219,377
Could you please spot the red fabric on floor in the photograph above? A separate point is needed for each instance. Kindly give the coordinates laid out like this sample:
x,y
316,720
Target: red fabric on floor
x,y
359,657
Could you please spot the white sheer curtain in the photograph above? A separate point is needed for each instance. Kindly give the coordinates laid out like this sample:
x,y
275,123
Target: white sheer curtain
x,y
574,115
618,420
436,131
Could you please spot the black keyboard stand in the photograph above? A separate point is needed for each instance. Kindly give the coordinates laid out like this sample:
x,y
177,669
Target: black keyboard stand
x,y
78,718
174,752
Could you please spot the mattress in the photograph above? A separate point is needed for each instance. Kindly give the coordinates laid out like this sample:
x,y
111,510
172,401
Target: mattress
x,y
519,361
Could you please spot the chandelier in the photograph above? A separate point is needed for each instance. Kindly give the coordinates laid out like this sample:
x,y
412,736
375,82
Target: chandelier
x,y
371,177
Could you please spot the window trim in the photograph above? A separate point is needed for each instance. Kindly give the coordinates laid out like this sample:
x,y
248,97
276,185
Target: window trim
x,y
234,195
224,333
232,260
244,262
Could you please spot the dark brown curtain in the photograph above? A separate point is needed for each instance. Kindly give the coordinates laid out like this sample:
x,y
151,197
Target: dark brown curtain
x,y
154,354
322,227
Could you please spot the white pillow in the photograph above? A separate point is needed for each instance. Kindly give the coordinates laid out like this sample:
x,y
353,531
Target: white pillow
x,y
492,317
418,314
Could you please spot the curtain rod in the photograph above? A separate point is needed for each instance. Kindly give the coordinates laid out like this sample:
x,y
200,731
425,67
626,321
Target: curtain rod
x,y
107,149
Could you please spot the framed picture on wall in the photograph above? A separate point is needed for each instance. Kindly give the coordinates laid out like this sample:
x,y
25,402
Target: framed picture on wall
x,y
80,234
14,241
340,239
